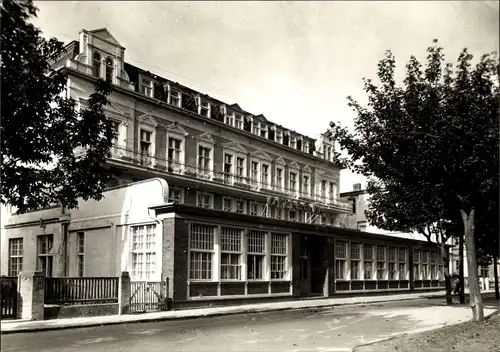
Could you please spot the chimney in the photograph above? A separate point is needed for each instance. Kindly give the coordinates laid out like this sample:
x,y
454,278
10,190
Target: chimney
x,y
356,187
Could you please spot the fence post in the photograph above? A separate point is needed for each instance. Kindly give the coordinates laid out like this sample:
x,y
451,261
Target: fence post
x,y
124,293
32,295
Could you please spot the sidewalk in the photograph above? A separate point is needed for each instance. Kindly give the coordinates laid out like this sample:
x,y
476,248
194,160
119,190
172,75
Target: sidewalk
x,y
15,326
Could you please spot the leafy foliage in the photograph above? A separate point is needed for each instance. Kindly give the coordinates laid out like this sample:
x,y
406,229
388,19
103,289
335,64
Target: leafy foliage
x,y
41,127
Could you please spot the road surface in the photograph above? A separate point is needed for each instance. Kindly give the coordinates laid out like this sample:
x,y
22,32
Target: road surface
x,y
312,330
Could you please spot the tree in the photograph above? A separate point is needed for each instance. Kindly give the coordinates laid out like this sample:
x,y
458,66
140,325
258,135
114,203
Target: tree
x,y
429,147
41,127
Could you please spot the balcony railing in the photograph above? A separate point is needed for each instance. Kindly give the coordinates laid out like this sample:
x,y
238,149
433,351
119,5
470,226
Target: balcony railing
x,y
228,179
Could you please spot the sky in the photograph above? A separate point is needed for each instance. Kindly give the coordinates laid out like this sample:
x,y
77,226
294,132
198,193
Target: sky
x,y
294,62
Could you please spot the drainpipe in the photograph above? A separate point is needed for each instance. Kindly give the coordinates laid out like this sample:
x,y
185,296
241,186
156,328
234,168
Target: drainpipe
x,y
64,219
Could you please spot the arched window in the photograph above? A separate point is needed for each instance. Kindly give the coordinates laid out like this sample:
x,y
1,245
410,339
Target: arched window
x,y
96,64
109,70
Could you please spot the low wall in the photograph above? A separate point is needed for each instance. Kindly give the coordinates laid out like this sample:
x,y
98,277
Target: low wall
x,y
79,311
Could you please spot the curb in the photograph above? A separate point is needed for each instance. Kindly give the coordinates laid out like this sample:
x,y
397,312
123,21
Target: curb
x,y
190,317
486,317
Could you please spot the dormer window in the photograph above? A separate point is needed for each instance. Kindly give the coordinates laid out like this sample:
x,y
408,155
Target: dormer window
x,y
263,131
286,139
175,98
306,147
204,108
238,121
146,87
109,70
229,119
96,65
299,144
256,128
279,137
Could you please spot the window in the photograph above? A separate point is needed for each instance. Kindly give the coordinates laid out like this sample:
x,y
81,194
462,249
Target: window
x,y
174,154
286,138
368,261
416,264
175,98
205,200
175,195
229,119
146,87
201,251
340,259
204,160
279,178
329,153
228,168
109,70
392,257
402,263
238,121
45,253
355,261
254,208
263,131
116,132
306,185
293,142
279,137
292,215
204,108
265,175
255,172
293,182
143,251
353,202
16,251
306,147
96,65
256,128
230,254
484,271
278,213
332,191
81,253
256,253
434,267
381,263
240,206
227,204
278,256
323,190
145,142
425,265
240,169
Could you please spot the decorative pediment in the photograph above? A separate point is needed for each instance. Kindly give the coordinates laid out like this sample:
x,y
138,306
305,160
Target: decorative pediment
x,y
259,154
176,128
114,108
280,161
294,165
104,34
206,137
147,119
235,147
306,169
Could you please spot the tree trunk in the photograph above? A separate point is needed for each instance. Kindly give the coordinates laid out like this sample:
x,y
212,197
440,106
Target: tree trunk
x,y
446,267
476,301
461,291
495,271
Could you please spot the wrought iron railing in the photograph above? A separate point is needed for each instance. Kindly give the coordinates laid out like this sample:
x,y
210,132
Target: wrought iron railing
x,y
81,290
228,179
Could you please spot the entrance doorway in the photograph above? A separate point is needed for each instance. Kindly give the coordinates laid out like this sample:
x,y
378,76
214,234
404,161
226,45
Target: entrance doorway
x,y
305,267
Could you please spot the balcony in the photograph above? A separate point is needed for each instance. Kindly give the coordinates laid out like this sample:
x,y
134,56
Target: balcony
x,y
278,195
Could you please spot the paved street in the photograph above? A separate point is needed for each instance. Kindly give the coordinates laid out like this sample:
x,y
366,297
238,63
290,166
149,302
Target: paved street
x,y
333,329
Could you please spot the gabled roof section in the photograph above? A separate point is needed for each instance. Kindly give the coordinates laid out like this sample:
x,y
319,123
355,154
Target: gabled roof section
x,y
235,147
261,117
176,128
104,34
148,120
280,161
206,137
236,107
259,154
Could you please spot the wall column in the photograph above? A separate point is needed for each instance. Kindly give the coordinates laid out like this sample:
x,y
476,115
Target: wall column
x,y
31,286
124,293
